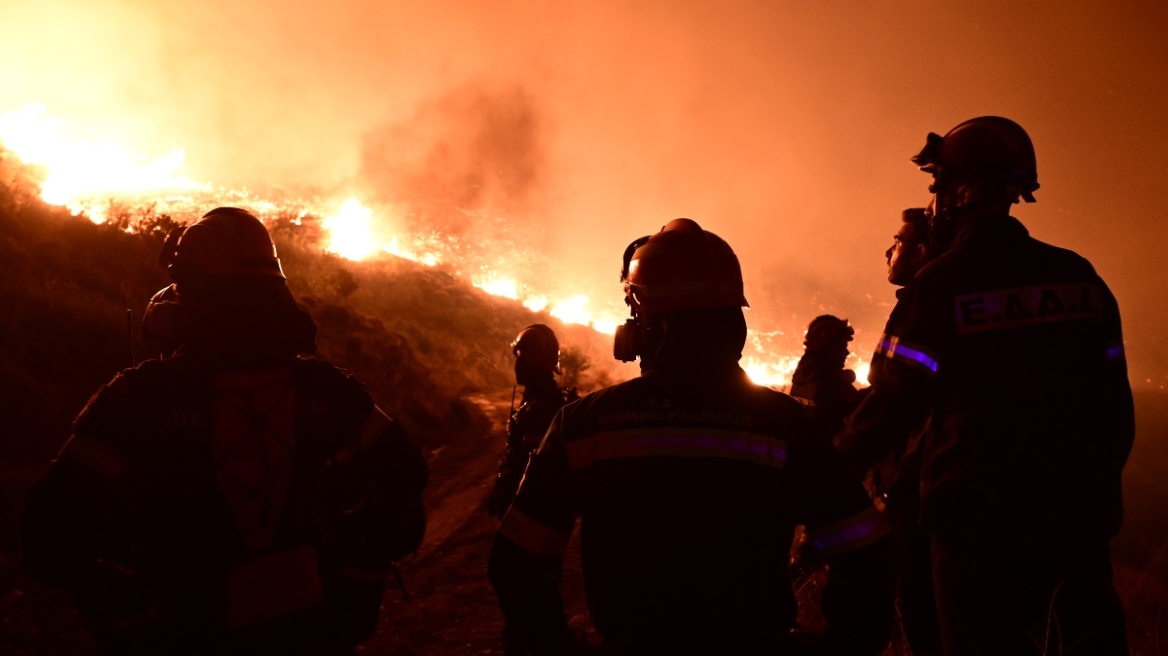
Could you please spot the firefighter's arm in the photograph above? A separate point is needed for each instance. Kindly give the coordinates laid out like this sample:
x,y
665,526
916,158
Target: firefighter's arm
x,y
511,466
389,518
1121,409
525,557
903,379
840,521
524,435
77,528
884,420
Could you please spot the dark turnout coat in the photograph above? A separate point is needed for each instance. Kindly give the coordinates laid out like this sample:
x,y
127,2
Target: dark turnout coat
x,y
1013,349
212,510
688,493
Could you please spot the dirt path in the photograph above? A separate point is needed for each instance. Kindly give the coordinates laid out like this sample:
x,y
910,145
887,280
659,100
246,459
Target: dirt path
x,y
453,609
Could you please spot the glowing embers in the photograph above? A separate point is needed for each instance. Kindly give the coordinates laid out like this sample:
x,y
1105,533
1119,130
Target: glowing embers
x,y
350,231
574,309
350,235
505,287
776,374
77,171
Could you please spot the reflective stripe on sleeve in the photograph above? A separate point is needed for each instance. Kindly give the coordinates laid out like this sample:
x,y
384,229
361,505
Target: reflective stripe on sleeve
x,y
1115,352
94,454
533,536
373,428
679,443
855,532
895,348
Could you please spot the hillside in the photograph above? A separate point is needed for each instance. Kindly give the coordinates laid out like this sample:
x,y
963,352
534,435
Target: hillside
x,y
420,338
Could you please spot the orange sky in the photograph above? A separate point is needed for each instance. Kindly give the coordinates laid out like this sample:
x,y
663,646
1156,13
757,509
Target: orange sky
x,y
784,126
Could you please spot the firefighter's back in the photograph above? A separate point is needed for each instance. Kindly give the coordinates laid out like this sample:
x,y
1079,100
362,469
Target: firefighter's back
x,y
237,497
686,511
1026,405
688,483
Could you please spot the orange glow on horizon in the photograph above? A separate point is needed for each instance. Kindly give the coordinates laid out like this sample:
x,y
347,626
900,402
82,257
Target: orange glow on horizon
x,y
78,171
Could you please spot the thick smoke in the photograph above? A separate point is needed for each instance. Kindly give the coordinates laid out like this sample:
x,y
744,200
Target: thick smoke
x,y
468,167
470,153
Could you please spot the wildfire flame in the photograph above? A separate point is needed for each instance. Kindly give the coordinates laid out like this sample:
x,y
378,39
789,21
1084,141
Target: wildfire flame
x,y
80,170
85,175
350,232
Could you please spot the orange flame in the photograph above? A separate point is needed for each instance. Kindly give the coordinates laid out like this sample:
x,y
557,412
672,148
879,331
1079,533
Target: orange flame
x,y
79,171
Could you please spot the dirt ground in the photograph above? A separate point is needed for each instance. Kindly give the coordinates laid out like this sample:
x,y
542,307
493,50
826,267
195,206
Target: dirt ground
x,y
453,610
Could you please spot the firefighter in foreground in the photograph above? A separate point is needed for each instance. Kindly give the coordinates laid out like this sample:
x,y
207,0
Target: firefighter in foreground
x,y
1012,350
537,361
233,498
689,482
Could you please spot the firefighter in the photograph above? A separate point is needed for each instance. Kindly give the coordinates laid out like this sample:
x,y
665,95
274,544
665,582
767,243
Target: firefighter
x,y
1012,350
689,482
895,479
821,382
235,498
537,361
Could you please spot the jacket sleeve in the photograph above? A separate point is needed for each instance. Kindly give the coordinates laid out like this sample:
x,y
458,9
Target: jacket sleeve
x,y
903,380
77,530
385,519
1120,406
525,558
841,522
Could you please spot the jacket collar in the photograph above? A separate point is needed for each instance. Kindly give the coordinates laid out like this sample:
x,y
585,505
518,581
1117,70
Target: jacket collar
x,y
997,226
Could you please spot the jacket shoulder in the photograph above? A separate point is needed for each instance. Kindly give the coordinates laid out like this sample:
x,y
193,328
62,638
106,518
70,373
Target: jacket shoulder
x,y
149,378
323,373
613,395
1064,258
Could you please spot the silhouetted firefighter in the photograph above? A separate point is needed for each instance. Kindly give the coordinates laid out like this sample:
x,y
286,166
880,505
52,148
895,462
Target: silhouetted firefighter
x,y
234,498
1012,350
895,479
537,361
689,482
821,383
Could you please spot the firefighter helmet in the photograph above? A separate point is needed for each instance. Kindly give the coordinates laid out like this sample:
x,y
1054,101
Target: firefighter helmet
x,y
684,267
826,330
226,241
537,345
992,146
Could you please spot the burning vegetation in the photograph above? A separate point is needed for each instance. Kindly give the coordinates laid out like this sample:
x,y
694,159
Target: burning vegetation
x,y
455,188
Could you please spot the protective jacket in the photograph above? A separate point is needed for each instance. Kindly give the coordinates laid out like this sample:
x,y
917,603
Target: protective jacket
x,y
688,490
1012,349
525,430
203,509
899,469
826,391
